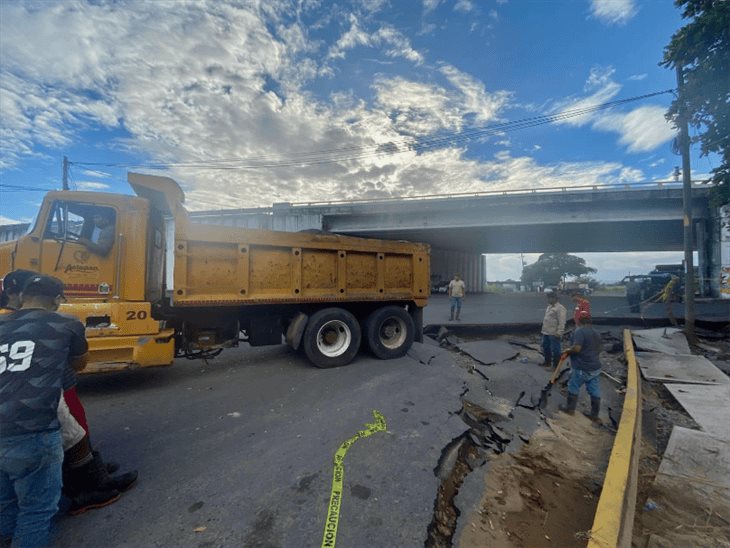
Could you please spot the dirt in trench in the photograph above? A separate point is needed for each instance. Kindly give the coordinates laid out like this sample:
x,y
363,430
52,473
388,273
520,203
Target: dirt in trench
x,y
546,494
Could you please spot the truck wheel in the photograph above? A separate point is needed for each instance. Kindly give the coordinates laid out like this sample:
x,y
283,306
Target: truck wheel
x,y
389,332
332,338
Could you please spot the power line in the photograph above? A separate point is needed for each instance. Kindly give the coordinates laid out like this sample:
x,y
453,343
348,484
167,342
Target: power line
x,y
20,188
397,146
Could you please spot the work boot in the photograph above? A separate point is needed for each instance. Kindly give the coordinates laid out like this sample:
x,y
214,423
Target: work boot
x,y
100,478
570,404
111,467
92,499
457,317
595,408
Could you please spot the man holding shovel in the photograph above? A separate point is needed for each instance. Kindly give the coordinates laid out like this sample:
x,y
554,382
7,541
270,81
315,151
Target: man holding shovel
x,y
586,367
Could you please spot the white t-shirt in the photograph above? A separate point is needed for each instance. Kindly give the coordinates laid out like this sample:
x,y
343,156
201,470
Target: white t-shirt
x,y
457,288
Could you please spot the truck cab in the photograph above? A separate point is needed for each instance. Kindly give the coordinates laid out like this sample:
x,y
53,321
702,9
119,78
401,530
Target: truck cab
x,y
110,298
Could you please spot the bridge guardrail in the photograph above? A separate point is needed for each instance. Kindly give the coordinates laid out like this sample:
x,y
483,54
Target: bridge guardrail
x,y
513,192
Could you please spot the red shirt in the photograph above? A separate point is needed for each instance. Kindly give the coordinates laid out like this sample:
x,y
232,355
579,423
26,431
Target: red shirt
x,y
580,306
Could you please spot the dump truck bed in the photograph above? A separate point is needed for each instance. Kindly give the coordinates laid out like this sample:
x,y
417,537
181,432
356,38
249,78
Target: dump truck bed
x,y
216,265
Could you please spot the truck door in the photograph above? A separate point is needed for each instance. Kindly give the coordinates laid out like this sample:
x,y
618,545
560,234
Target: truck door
x,y
80,246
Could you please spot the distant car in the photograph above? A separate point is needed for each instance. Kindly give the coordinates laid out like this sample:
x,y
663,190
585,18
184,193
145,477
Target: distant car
x,y
440,287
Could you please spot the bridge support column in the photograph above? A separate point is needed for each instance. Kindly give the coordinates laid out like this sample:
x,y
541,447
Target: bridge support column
x,y
445,263
709,254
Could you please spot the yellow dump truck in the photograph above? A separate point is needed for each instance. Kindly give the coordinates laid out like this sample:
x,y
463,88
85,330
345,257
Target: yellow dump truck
x,y
165,287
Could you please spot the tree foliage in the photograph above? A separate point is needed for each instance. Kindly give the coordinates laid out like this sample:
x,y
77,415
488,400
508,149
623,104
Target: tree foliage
x,y
702,49
550,268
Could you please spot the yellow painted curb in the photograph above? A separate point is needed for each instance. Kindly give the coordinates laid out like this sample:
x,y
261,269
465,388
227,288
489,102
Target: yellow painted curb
x,y
614,519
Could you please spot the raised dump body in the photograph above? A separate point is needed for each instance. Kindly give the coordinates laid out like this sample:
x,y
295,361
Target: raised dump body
x,y
167,286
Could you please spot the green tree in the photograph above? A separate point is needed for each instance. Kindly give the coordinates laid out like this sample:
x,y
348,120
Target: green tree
x,y
550,268
702,49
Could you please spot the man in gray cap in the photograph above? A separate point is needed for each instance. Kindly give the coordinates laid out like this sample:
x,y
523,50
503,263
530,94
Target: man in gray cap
x,y
36,347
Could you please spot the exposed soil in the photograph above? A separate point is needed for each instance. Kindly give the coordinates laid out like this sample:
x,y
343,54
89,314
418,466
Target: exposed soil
x,y
672,516
546,494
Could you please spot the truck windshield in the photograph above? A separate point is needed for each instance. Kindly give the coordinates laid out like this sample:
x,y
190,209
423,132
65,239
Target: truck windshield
x,y
73,220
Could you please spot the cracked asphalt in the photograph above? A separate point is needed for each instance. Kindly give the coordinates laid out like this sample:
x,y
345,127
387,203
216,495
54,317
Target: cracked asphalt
x,y
240,450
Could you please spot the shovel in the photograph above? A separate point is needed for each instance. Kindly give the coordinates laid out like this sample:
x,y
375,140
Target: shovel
x,y
545,392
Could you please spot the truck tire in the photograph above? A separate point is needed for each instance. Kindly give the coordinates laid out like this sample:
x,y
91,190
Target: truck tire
x,y
389,332
332,338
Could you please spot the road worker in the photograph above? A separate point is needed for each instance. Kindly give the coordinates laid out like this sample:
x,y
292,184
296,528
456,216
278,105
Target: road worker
x,y
553,327
581,305
585,367
457,289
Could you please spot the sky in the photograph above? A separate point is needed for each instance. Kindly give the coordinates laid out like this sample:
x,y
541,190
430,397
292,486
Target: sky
x,y
250,103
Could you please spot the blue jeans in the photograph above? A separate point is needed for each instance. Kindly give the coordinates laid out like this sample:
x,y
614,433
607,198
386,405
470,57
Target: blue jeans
x,y
30,487
455,304
551,349
591,379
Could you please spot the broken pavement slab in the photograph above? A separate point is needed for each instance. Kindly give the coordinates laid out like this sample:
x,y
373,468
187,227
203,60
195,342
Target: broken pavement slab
x,y
709,406
688,368
489,406
510,379
428,354
488,352
700,461
668,340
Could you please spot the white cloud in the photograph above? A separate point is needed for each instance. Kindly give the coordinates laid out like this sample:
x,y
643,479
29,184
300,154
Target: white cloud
x,y
640,130
638,77
8,221
602,89
215,80
395,44
613,12
464,6
430,5
91,185
96,173
474,96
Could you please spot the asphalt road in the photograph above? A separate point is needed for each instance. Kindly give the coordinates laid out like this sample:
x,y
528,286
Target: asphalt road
x,y
490,309
243,447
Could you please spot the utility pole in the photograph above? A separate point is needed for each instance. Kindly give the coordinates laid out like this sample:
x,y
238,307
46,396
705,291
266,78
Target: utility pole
x,y
65,173
689,279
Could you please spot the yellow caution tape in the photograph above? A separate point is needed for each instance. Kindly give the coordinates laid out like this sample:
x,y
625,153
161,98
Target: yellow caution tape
x,y
338,475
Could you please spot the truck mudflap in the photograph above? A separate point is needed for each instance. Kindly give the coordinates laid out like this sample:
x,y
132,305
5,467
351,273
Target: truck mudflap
x,y
117,353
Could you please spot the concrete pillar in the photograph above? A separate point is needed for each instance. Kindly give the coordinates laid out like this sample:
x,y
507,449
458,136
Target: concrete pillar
x,y
709,253
703,244
721,259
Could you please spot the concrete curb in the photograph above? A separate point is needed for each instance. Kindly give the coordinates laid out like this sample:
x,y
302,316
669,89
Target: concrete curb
x,y
614,519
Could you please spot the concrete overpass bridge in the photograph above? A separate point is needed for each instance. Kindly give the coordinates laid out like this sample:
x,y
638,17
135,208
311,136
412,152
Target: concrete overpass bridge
x,y
462,227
